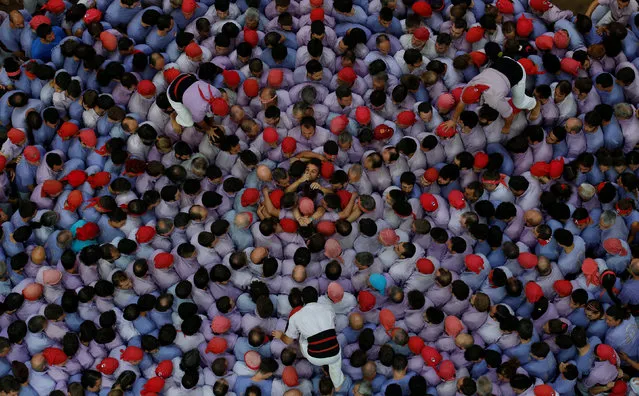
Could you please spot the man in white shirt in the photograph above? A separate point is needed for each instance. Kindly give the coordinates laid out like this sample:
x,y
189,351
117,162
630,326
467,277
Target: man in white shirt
x,y
314,326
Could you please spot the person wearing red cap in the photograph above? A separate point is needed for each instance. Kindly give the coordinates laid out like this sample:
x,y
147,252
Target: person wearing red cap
x,y
231,78
503,78
26,170
162,269
314,327
143,98
251,87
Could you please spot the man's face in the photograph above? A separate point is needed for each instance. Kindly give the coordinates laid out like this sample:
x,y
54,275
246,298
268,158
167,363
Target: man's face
x,y
592,315
441,48
346,62
407,188
417,43
346,101
307,131
580,95
345,146
384,23
16,21
312,171
559,96
97,387
551,139
384,47
235,149
426,117
456,32
126,285
622,4
611,322
543,101
316,76
272,121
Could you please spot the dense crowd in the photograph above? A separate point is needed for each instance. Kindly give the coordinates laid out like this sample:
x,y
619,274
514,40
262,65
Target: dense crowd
x,y
255,198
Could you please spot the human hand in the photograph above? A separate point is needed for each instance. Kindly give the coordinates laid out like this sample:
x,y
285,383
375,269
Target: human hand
x,y
450,124
277,334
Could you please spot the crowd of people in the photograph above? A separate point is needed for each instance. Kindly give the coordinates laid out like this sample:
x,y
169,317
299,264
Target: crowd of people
x,y
323,197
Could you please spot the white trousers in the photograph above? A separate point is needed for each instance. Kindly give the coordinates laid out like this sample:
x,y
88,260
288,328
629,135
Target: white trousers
x,y
184,117
334,364
518,92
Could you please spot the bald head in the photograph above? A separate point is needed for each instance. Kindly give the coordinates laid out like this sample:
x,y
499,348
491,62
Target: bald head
x,y
258,254
533,217
198,213
299,273
242,220
264,173
64,239
16,20
573,125
586,191
164,226
543,264
237,113
38,362
38,255
369,369
356,321
634,267
464,340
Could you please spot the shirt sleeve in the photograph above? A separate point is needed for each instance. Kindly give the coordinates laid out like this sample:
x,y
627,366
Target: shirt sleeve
x,y
292,331
498,103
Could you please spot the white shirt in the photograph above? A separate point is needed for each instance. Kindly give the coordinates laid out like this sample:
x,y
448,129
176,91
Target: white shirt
x,y
312,319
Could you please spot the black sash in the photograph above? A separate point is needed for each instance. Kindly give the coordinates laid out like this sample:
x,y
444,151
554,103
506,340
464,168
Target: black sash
x,y
180,85
323,345
509,68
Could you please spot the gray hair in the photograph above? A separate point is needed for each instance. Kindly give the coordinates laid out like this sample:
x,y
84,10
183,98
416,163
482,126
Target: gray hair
x,y
608,218
484,386
308,94
365,388
586,191
300,106
252,13
344,138
623,111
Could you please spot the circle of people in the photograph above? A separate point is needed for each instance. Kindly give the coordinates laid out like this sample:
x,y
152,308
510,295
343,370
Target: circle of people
x,y
366,198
